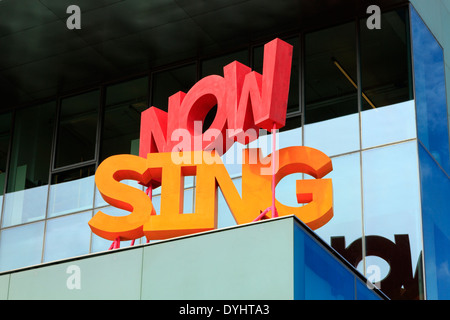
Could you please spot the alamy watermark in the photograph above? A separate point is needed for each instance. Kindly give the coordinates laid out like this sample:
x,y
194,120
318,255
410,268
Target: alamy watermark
x,y
374,20
74,20
373,276
74,279
215,140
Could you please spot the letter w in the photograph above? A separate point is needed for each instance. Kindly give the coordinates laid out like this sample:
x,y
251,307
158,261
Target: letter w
x,y
255,100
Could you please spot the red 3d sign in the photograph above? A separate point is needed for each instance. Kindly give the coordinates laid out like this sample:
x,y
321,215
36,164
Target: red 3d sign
x,y
246,101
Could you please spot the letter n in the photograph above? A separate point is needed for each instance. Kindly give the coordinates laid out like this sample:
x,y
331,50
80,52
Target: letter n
x,y
153,134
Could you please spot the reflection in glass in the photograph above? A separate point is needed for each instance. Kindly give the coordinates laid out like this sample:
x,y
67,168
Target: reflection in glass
x,y
387,125
21,246
435,190
77,129
392,198
431,104
168,82
25,206
71,191
123,106
67,236
30,154
27,188
325,278
386,61
99,201
5,128
362,293
347,206
188,200
156,202
215,65
334,136
225,217
330,73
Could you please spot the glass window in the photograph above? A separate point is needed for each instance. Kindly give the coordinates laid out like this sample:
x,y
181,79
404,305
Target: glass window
x,y
225,217
325,278
435,188
431,102
99,201
21,246
71,191
363,292
121,128
26,197
168,82
188,200
215,66
331,103
387,125
24,206
293,99
330,73
77,129
347,203
67,236
386,61
334,136
392,214
5,128
156,202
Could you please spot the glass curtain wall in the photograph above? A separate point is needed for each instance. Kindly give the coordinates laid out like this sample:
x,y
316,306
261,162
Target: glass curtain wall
x,y
5,136
434,158
350,97
27,188
359,110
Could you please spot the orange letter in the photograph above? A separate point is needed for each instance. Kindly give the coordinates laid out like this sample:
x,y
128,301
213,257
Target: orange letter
x,y
256,187
122,196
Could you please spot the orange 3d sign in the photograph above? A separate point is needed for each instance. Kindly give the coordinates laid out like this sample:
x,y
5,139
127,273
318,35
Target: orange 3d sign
x,y
172,147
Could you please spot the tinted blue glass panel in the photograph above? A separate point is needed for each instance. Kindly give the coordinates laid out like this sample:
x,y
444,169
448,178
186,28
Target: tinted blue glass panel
x,y
21,246
435,190
318,274
25,206
188,200
225,217
363,292
75,195
67,236
392,215
391,192
388,124
334,136
99,201
431,104
347,206
325,278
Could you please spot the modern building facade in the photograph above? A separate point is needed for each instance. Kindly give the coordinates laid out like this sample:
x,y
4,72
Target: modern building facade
x,y
368,90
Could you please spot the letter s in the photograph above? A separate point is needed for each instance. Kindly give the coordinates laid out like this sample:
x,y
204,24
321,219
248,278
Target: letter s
x,y
107,178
